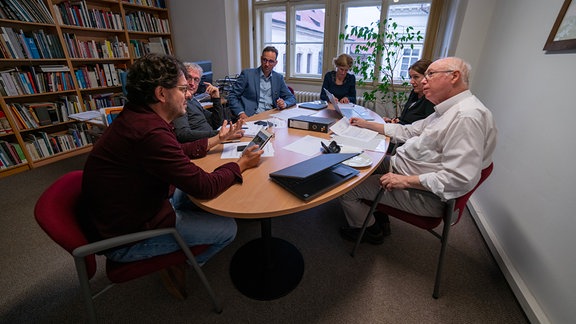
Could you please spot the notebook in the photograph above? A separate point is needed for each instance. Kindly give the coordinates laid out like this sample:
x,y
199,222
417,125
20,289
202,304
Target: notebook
x,y
313,177
347,112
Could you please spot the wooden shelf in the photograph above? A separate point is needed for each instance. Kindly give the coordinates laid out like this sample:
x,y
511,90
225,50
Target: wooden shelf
x,y
78,27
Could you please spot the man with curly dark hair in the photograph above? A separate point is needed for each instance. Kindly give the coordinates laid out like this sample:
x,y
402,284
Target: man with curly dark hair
x,y
138,163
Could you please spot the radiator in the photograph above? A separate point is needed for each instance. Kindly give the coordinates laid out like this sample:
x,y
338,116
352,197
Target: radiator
x,y
307,96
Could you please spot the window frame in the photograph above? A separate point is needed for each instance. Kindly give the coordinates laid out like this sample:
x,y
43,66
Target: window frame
x,y
333,45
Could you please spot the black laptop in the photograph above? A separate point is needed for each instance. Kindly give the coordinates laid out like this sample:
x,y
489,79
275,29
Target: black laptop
x,y
315,176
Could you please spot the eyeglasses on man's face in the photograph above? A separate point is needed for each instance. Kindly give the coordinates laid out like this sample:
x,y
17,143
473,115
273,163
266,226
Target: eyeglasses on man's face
x,y
194,80
265,60
429,74
183,88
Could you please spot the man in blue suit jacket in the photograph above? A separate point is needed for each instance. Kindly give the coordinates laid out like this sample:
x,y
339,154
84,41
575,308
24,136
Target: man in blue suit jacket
x,y
260,89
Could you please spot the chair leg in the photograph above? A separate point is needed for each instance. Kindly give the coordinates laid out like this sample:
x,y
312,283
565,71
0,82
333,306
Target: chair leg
x,y
174,280
199,272
444,244
364,225
85,288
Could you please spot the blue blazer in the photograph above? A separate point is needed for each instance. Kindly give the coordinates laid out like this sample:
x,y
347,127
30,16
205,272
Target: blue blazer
x,y
246,92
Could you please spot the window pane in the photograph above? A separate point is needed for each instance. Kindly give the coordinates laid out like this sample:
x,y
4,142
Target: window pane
x,y
273,30
361,17
308,41
416,16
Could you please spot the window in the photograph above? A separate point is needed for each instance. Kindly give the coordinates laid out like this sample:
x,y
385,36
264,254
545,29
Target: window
x,y
298,27
304,29
407,13
308,38
273,33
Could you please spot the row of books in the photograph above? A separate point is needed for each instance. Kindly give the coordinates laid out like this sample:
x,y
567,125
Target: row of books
x,y
11,154
98,101
38,114
42,144
29,45
78,14
148,3
98,75
26,80
90,48
145,22
25,10
154,45
5,127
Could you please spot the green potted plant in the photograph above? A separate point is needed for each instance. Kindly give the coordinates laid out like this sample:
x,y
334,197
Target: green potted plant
x,y
386,41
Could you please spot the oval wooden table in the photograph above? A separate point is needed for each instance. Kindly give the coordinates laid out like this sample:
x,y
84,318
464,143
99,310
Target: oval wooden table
x,y
268,268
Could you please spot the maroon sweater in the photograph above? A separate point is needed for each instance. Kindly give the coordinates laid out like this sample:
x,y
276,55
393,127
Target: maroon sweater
x,y
129,173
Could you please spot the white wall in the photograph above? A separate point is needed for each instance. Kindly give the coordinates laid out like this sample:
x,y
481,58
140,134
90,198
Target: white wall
x,y
527,208
199,32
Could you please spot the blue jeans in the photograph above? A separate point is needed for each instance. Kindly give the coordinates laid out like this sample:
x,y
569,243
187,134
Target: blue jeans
x,y
197,227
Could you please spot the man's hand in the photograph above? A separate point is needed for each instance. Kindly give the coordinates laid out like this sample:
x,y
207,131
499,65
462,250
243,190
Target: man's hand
x,y
280,104
242,116
232,131
345,100
356,121
250,158
213,91
391,181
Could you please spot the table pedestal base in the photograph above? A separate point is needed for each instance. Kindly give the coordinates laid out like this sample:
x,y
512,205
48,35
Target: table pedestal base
x,y
267,268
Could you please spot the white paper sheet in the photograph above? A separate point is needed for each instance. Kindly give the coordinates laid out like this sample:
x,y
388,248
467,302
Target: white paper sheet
x,y
344,129
230,151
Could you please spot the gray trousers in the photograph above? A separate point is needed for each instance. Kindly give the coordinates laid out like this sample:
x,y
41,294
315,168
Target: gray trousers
x,y
408,200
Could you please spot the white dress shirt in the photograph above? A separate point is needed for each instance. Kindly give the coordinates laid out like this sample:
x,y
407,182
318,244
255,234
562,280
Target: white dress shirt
x,y
449,148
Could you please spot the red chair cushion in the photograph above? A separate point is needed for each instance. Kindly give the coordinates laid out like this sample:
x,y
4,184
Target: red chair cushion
x,y
119,272
55,212
429,223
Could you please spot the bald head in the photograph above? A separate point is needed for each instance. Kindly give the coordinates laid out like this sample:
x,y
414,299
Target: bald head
x,y
446,78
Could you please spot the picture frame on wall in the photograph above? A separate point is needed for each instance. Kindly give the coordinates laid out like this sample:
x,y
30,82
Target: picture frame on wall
x,y
563,34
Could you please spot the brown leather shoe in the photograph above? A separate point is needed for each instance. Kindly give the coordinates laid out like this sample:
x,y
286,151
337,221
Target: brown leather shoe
x,y
174,280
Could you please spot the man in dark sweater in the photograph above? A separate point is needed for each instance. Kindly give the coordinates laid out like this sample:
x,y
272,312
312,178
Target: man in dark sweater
x,y
134,167
198,122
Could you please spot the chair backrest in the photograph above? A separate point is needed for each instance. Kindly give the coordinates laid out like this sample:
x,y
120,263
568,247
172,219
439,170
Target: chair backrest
x,y
460,203
55,212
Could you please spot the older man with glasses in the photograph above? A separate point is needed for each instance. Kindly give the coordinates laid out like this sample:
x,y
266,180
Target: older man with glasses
x,y
260,89
198,122
443,153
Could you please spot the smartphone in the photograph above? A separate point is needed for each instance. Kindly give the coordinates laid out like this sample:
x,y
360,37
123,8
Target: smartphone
x,y
260,139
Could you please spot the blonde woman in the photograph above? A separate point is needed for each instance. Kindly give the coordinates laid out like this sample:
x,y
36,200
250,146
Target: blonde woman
x,y
339,82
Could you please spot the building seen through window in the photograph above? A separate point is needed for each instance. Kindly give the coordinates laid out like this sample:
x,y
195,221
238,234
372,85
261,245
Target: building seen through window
x,y
300,38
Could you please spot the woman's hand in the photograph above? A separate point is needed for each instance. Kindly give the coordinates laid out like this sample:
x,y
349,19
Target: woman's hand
x,y
345,100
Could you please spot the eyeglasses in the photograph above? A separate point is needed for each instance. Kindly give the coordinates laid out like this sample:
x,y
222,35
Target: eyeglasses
x,y
195,80
265,60
183,88
429,74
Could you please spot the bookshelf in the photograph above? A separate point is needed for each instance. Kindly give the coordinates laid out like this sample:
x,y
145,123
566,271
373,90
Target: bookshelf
x,y
63,57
